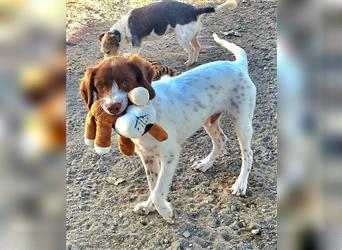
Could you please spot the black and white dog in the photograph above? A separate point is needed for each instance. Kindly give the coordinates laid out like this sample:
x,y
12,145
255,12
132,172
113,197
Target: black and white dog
x,y
153,21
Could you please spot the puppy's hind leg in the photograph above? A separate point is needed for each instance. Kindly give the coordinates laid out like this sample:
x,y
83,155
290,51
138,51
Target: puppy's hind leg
x,y
242,118
218,138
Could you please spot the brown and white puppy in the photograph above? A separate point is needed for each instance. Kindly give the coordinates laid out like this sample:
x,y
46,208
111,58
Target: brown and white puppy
x,y
155,20
112,87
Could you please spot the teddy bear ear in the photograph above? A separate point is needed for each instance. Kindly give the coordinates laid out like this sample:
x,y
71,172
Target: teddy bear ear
x,y
86,88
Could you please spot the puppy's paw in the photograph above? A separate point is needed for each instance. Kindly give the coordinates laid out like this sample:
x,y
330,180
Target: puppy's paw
x,y
144,207
239,188
163,207
202,165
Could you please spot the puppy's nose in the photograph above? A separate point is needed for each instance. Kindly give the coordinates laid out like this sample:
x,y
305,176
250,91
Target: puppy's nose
x,y
114,108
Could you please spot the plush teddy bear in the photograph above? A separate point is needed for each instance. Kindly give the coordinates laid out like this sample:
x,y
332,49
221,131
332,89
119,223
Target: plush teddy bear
x,y
140,117
138,120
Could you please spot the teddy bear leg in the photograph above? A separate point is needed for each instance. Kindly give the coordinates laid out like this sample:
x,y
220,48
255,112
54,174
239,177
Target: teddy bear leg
x,y
102,138
126,146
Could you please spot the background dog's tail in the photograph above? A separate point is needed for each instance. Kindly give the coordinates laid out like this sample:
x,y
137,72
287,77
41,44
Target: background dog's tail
x,y
200,11
239,53
229,4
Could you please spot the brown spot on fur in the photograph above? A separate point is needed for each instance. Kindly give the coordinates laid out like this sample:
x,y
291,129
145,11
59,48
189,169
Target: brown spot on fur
x,y
213,118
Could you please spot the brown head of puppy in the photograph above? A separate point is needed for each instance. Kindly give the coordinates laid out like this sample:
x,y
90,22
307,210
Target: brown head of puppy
x,y
112,79
110,43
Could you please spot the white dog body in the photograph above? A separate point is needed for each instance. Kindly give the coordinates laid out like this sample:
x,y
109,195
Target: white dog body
x,y
184,104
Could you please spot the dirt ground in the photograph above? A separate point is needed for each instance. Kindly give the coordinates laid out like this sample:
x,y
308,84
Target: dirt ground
x,y
99,209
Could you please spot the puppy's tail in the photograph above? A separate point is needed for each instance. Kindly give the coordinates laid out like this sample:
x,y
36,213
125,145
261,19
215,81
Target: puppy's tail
x,y
229,4
239,53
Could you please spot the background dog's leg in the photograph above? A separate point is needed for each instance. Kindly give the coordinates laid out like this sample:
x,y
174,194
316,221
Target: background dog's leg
x,y
169,163
218,139
185,34
197,46
189,48
244,132
151,165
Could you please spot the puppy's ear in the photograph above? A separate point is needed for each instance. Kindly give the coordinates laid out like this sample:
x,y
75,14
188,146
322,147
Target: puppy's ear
x,y
144,73
86,88
101,36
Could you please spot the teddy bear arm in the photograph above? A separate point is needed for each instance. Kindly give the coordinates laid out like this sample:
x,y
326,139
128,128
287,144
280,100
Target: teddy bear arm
x,y
158,132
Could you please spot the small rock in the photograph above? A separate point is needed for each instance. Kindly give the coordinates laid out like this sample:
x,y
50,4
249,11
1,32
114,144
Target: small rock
x,y
256,231
113,227
233,208
144,223
252,226
119,181
102,170
241,224
235,226
190,245
120,215
186,234
263,210
166,241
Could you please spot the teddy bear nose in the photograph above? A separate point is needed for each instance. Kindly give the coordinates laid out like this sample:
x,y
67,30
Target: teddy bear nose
x,y
114,108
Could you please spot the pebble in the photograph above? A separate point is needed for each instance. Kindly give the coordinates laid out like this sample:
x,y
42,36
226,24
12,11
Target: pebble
x,y
263,210
233,208
113,227
166,241
186,234
120,215
102,170
235,226
241,224
252,226
256,231
119,181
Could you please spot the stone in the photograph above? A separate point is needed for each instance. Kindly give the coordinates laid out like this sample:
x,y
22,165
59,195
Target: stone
x,y
186,234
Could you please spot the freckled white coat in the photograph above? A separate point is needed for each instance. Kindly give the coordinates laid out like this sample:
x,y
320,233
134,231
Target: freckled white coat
x,y
184,104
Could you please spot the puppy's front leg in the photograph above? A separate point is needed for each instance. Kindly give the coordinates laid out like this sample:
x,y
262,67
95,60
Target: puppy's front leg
x,y
158,196
151,165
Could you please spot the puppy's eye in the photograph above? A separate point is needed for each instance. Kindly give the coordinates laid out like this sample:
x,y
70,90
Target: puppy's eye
x,y
124,85
100,86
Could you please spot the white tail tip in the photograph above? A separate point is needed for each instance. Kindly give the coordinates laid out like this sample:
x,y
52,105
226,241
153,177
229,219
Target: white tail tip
x,y
230,4
217,39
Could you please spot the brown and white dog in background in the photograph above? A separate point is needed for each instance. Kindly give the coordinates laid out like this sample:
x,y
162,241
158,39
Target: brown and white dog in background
x,y
155,20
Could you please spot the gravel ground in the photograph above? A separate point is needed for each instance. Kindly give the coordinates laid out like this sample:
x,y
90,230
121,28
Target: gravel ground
x,y
102,190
